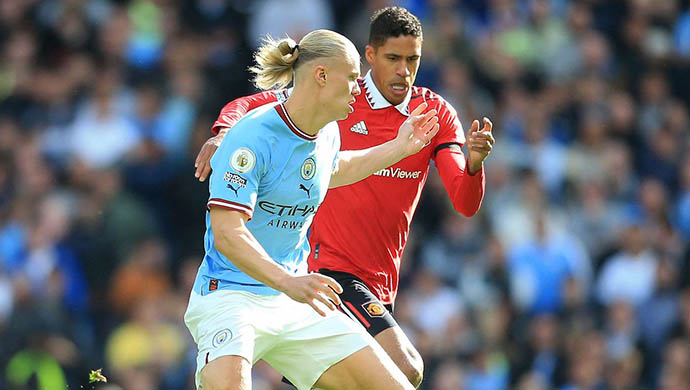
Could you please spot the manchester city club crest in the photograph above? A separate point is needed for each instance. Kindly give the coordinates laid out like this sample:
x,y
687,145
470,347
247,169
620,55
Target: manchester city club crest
x,y
221,337
308,168
242,160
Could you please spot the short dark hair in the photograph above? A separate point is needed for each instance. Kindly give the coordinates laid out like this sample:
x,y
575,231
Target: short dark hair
x,y
391,22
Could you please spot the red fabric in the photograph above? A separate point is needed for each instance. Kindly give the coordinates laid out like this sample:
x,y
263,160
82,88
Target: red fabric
x,y
236,109
363,228
466,191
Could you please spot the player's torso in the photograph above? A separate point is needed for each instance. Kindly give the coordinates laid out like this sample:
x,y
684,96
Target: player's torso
x,y
365,225
292,184
291,190
293,187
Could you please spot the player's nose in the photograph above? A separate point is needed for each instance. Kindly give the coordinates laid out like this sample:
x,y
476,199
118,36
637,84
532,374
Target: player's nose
x,y
402,70
356,90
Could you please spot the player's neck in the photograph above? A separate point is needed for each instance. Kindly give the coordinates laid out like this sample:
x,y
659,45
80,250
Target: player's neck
x,y
306,113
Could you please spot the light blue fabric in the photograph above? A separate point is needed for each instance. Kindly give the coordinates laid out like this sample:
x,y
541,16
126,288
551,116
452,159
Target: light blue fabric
x,y
264,168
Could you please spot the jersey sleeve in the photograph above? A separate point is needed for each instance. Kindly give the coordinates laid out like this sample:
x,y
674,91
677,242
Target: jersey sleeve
x,y
237,168
450,129
466,191
236,109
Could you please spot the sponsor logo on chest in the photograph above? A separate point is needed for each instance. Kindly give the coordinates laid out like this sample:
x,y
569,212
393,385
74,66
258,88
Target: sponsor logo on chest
x,y
360,128
398,173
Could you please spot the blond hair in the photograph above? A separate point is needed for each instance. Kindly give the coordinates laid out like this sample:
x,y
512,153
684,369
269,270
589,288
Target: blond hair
x,y
277,60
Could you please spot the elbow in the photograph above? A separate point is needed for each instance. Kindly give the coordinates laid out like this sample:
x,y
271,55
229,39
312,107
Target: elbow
x,y
467,210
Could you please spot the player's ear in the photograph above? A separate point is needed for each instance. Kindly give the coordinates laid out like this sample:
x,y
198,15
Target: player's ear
x,y
320,75
369,54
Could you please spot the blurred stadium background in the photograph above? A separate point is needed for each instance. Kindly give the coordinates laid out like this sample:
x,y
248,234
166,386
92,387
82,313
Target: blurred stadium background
x,y
574,275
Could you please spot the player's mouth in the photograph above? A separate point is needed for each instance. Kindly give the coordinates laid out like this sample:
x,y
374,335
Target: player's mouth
x,y
399,89
349,106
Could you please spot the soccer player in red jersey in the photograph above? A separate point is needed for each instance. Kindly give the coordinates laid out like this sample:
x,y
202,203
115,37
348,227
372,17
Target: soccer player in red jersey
x,y
359,232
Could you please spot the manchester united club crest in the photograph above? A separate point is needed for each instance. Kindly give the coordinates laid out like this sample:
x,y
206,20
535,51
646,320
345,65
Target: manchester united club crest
x,y
374,309
308,168
242,160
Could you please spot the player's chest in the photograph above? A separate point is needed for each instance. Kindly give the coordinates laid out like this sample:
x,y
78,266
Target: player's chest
x,y
297,181
361,131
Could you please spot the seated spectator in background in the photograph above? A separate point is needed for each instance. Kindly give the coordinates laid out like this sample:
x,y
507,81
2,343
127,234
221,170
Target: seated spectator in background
x,y
540,267
142,348
629,274
108,111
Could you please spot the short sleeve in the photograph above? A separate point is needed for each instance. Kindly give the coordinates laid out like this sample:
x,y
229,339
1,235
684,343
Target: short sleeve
x,y
238,166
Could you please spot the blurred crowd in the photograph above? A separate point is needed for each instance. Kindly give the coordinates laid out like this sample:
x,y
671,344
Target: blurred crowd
x,y
574,275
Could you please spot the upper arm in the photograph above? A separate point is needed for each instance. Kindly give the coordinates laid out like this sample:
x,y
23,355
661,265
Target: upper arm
x,y
450,131
226,220
237,169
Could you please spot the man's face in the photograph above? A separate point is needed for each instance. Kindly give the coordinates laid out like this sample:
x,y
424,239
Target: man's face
x,y
394,66
342,85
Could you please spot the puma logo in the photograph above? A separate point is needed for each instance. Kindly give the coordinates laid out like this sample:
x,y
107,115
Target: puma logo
x,y
233,189
307,190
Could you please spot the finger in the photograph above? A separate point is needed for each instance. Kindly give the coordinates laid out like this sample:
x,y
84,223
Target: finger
x,y
480,141
328,281
480,148
205,172
331,295
482,136
424,117
323,299
474,127
430,135
429,125
420,109
199,169
201,159
316,307
487,124
198,158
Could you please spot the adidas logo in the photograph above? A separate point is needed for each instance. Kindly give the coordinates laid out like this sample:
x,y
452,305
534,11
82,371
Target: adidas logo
x,y
359,128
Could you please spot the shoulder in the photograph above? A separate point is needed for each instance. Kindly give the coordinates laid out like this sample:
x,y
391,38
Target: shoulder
x,y
423,94
259,129
259,122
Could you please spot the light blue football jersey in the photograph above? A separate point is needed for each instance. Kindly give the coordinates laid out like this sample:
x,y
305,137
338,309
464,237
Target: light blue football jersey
x,y
272,171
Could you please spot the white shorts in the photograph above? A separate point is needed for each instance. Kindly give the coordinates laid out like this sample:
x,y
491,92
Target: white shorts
x,y
288,335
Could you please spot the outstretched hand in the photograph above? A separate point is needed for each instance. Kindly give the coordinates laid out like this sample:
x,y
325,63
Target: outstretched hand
x,y
479,144
418,130
203,159
315,289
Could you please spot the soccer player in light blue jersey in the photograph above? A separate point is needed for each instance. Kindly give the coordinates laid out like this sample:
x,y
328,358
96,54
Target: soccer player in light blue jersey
x,y
252,298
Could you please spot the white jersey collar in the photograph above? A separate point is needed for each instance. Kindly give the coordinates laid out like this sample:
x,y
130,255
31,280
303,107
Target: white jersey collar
x,y
376,99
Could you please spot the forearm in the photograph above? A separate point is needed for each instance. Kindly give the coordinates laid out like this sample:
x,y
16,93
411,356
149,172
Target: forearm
x,y
465,189
238,244
355,165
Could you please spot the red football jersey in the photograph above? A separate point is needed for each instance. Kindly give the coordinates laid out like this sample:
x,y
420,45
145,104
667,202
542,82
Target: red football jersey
x,y
362,228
